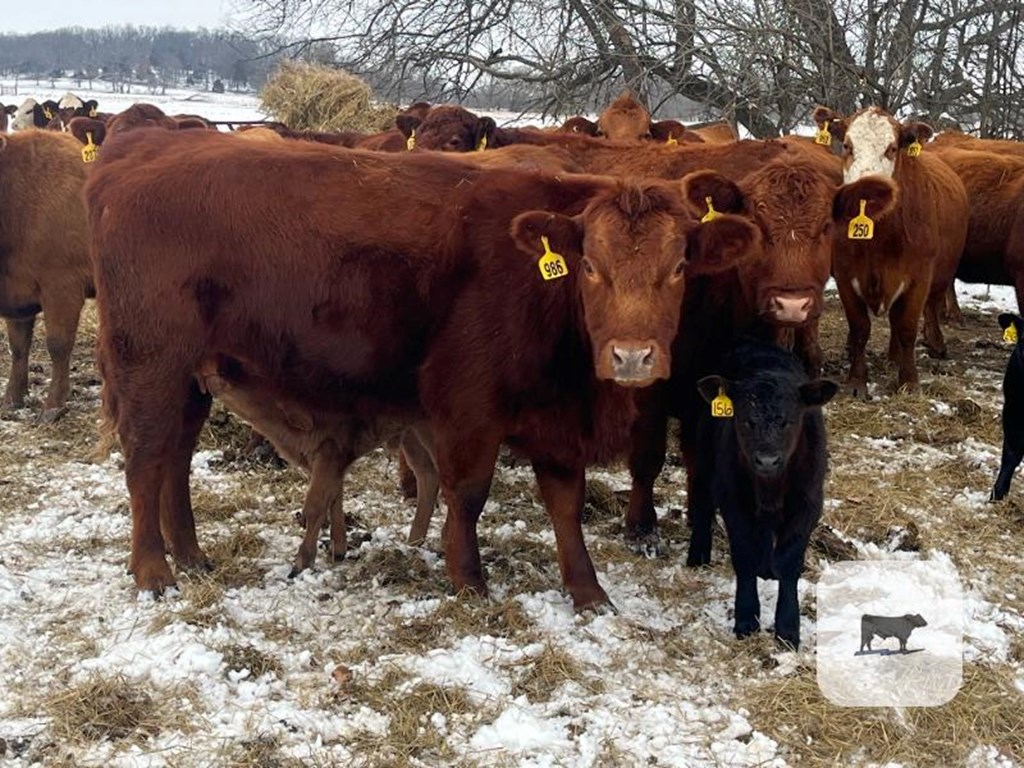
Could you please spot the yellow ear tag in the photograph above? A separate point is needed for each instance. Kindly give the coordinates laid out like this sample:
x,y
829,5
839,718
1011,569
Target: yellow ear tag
x,y
914,149
482,144
89,150
824,137
862,226
410,143
671,141
47,113
92,111
712,214
552,265
721,406
1010,334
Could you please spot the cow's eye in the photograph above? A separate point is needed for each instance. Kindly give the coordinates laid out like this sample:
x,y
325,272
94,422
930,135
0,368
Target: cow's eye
x,y
679,268
453,143
588,267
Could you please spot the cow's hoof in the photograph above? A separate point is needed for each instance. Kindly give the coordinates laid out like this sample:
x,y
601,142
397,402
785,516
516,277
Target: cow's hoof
x,y
593,603
940,353
645,544
51,415
788,641
858,390
746,628
698,559
153,578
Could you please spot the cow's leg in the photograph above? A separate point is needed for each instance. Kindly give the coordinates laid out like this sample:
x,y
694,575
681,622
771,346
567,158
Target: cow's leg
x,y
934,341
406,475
562,489
646,460
416,447
904,319
808,348
699,473
323,498
859,322
61,314
177,522
951,308
19,338
466,467
1013,452
789,563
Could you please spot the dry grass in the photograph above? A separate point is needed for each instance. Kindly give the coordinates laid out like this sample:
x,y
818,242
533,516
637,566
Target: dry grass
x,y
541,675
986,711
241,657
310,97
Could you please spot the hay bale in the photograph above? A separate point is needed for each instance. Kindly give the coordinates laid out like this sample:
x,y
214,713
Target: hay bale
x,y
315,98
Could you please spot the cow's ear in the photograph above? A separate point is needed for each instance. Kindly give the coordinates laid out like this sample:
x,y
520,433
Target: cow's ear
x,y
711,387
564,234
1006,319
407,124
725,196
818,392
81,126
912,131
483,135
720,244
663,130
878,193
579,124
10,109
836,123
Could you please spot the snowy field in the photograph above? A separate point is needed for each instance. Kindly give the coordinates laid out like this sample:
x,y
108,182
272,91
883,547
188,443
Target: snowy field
x,y
372,662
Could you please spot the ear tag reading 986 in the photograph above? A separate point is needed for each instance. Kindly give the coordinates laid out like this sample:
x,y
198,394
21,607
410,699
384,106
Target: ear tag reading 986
x,y
89,150
862,226
552,265
410,143
721,406
914,149
712,214
823,137
1010,334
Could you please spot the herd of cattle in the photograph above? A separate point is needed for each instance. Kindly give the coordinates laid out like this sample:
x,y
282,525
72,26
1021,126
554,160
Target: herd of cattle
x,y
454,286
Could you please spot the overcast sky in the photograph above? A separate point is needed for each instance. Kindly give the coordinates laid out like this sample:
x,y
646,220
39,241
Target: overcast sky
x,y
37,15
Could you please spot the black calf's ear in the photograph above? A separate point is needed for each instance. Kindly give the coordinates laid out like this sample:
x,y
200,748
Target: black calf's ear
x,y
818,392
710,386
1006,318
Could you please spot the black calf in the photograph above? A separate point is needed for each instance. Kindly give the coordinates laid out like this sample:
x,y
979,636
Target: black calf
x,y
899,627
767,467
1013,409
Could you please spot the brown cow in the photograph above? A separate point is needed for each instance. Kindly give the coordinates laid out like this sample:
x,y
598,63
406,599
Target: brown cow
x,y
781,287
717,132
44,256
908,265
627,120
440,311
994,250
953,140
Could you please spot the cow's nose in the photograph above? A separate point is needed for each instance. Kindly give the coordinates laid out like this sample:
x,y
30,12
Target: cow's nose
x,y
791,309
767,462
632,362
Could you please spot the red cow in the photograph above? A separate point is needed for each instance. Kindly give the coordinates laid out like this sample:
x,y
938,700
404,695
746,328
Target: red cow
x,y
908,265
44,256
436,311
717,132
947,140
994,250
626,119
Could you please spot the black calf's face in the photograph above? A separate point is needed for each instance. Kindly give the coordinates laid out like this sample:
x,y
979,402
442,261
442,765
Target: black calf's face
x,y
916,620
768,412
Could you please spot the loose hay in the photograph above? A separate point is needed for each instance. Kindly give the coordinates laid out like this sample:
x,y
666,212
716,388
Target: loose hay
x,y
315,98
541,675
985,712
106,708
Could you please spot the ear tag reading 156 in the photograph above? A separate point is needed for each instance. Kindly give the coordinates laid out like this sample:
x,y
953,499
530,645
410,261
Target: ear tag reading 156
x,y
410,143
824,137
482,144
1010,334
671,141
89,150
914,149
862,226
721,406
712,214
552,265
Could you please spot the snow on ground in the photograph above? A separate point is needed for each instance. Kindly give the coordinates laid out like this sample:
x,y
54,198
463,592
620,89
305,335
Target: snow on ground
x,y
372,662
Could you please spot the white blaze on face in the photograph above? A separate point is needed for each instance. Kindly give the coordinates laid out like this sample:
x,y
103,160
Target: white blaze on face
x,y
870,135
22,119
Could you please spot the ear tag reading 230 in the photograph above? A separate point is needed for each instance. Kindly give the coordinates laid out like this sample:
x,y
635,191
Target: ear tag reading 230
x,y
1010,334
712,214
552,265
824,137
914,149
89,150
862,226
410,143
721,406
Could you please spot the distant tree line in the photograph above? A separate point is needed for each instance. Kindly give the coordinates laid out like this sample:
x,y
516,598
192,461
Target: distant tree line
x,y
130,58
764,63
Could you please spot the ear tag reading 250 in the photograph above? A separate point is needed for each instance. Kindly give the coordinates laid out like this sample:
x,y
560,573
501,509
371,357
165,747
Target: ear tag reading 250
x,y
1010,334
721,406
89,150
824,137
914,149
410,143
712,214
862,226
552,265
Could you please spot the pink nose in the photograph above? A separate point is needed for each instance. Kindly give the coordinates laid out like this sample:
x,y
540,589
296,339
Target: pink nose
x,y
789,310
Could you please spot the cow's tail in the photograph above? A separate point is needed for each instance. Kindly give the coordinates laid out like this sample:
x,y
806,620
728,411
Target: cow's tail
x,y
106,425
